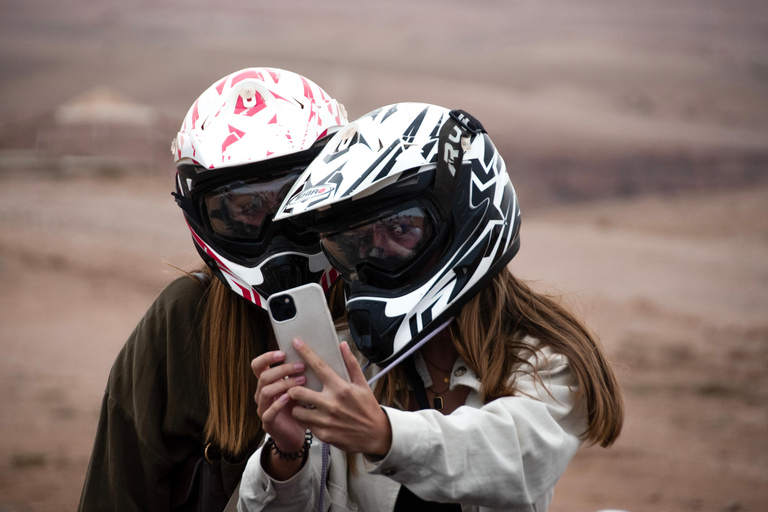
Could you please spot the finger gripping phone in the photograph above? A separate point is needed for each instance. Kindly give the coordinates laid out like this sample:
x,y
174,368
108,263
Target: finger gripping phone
x,y
302,313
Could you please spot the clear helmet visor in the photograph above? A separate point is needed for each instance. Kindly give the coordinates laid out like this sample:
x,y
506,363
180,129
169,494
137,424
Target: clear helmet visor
x,y
241,210
391,242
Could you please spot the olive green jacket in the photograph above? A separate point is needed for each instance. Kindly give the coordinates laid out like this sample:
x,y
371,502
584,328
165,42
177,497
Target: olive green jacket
x,y
154,410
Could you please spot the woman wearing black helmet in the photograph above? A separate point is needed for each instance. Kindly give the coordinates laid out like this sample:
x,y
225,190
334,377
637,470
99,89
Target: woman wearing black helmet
x,y
177,422
490,387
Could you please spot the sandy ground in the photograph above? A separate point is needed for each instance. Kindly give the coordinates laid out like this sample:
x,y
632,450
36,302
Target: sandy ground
x,y
677,288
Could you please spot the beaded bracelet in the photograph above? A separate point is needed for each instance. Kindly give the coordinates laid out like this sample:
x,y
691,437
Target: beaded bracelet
x,y
272,446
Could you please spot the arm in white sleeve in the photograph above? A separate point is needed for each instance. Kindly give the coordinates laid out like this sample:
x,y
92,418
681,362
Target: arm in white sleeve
x,y
508,453
259,491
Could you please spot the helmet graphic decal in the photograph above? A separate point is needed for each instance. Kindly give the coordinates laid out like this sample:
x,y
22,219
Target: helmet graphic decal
x,y
417,212
240,147
234,136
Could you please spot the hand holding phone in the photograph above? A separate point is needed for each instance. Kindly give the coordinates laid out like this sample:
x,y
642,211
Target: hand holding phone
x,y
302,313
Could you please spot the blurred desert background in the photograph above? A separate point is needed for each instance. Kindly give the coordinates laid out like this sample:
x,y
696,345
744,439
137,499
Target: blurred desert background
x,y
636,134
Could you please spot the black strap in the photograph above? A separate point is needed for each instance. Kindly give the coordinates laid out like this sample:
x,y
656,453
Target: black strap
x,y
409,366
207,482
184,480
199,487
467,121
406,500
184,202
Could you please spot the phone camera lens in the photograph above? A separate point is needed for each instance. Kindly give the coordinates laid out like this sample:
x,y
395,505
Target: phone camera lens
x,y
282,308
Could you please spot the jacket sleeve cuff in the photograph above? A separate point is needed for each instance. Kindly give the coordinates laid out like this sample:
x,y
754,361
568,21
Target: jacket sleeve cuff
x,y
409,436
258,489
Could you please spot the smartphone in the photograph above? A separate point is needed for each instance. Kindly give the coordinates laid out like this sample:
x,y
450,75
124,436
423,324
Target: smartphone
x,y
302,313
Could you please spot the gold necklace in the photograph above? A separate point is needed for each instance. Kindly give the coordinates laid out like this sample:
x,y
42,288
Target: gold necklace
x,y
446,373
438,402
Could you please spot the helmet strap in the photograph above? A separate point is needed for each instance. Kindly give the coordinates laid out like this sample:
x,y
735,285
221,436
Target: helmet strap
x,y
184,203
409,366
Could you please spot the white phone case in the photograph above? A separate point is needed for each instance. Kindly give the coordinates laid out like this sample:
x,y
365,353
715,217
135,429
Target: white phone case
x,y
312,323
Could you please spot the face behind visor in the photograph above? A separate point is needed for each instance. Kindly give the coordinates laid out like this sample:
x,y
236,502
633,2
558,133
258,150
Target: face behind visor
x,y
420,214
241,146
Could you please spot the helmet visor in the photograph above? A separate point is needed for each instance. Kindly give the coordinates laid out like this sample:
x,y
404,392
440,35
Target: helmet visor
x,y
390,243
241,210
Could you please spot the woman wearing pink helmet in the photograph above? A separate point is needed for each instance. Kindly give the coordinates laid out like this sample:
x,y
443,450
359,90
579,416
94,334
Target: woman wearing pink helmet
x,y
177,422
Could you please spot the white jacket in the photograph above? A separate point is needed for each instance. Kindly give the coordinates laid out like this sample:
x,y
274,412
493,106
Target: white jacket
x,y
505,455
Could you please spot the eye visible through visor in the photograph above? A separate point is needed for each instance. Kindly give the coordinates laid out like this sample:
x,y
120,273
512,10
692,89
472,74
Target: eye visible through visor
x,y
240,210
389,243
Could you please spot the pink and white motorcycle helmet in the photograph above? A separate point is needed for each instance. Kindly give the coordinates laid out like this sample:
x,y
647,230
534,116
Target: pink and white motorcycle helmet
x,y
241,146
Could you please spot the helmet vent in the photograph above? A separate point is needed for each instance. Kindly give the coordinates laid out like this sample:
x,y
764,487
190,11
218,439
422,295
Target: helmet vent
x,y
360,322
286,276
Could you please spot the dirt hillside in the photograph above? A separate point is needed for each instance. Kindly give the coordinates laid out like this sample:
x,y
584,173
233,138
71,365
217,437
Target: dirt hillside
x,y
676,287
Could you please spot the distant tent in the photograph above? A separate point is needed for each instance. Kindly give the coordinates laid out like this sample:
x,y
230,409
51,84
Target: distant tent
x,y
99,131
103,105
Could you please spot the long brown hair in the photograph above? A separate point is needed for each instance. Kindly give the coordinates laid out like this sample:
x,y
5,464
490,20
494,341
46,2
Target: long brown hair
x,y
234,332
489,336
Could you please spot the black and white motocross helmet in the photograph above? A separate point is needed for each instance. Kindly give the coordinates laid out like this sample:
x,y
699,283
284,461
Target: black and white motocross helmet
x,y
415,208
241,146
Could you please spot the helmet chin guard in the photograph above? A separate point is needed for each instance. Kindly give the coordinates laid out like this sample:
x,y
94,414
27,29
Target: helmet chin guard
x,y
241,146
372,192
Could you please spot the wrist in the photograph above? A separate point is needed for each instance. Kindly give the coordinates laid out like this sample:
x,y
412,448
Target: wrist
x,y
301,453
383,437
280,465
